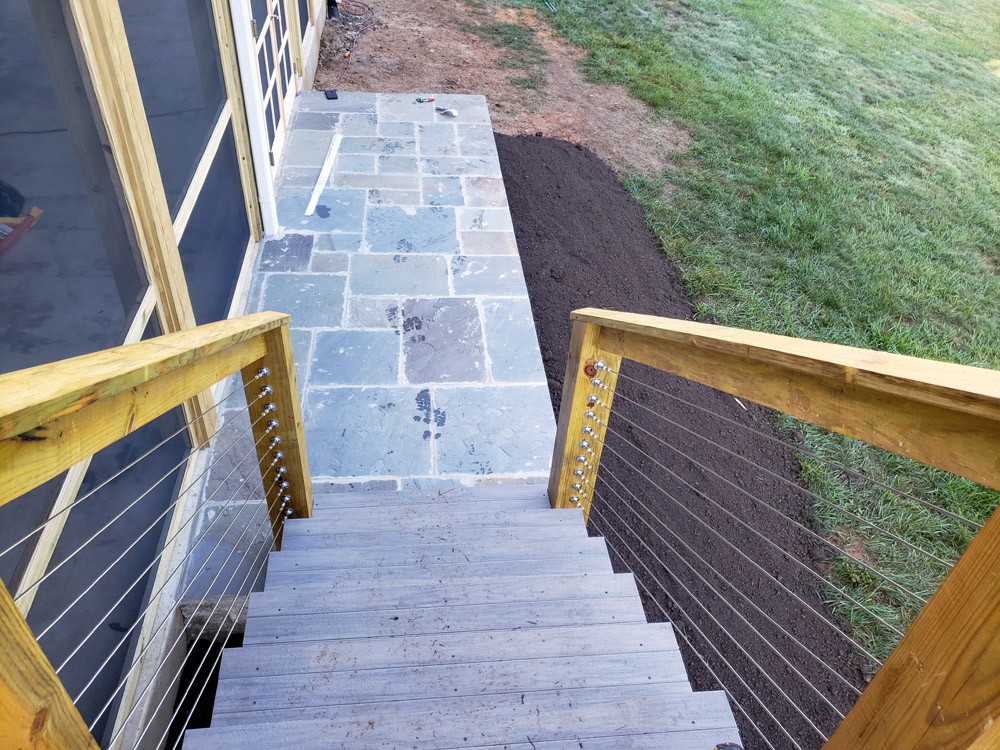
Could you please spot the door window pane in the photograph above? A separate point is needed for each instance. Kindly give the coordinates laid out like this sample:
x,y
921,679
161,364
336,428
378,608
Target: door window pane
x,y
176,54
303,16
216,238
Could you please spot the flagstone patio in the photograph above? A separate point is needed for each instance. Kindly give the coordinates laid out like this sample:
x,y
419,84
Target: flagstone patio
x,y
412,326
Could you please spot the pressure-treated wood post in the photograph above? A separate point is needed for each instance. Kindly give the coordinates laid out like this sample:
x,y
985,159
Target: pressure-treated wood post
x,y
35,709
940,687
288,414
581,430
114,89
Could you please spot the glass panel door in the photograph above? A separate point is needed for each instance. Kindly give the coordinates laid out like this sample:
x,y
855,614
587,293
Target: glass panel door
x,y
273,47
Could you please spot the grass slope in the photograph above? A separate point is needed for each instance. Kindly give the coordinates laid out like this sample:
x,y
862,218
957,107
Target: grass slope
x,y
844,186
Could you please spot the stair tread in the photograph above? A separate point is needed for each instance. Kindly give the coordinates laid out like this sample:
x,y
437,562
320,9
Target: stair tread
x,y
304,599
475,720
445,648
477,551
474,618
285,691
398,621
296,538
535,493
371,519
421,573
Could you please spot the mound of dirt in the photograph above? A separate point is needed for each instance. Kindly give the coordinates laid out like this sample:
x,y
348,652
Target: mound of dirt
x,y
429,47
696,485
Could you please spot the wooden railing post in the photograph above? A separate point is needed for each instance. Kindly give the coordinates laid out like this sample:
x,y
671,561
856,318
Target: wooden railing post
x,y
582,419
940,687
288,413
35,709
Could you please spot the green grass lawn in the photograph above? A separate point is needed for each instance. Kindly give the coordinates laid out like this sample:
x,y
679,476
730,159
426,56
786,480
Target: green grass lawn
x,y
843,185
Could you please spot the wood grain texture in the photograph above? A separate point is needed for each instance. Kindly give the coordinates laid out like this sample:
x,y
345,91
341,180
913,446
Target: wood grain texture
x,y
114,88
56,415
431,574
415,517
402,621
940,688
584,351
943,415
480,678
495,494
989,739
288,414
972,389
35,710
493,719
445,648
399,555
33,396
299,540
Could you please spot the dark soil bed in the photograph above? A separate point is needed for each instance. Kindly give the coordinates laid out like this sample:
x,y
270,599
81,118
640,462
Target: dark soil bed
x,y
681,493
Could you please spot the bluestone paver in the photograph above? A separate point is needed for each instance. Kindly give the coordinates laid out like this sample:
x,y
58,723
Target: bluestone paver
x,y
442,341
355,358
399,274
367,432
494,431
314,300
406,229
493,275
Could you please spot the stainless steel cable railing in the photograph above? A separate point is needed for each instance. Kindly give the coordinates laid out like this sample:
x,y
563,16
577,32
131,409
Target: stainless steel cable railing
x,y
105,607
789,572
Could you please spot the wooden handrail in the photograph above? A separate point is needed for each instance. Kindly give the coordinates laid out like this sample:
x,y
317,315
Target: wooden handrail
x,y
54,415
35,709
940,688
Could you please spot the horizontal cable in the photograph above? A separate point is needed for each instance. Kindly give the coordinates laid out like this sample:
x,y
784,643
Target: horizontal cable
x,y
152,680
729,583
145,455
804,529
639,580
166,545
715,676
137,660
208,677
785,554
795,485
804,451
736,640
135,541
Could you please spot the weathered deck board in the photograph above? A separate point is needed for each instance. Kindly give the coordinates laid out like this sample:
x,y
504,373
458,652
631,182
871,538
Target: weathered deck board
x,y
304,599
446,648
472,553
535,494
554,535
287,691
424,574
444,619
433,723
385,624
386,519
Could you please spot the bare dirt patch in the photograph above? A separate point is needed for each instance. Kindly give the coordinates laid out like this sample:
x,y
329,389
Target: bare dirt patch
x,y
678,493
428,47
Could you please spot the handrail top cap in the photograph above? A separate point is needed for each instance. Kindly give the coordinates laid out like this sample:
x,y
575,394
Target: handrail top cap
x,y
922,379
41,393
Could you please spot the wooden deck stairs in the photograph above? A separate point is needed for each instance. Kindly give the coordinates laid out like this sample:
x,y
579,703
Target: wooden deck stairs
x,y
472,619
